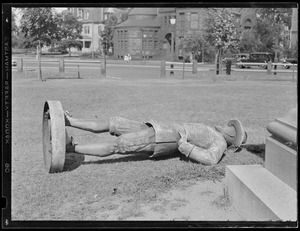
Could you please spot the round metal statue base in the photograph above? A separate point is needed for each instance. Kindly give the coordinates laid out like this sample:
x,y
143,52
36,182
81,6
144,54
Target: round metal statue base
x,y
54,136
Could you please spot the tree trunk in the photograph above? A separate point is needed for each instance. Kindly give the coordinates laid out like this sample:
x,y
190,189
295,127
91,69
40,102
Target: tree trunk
x,y
69,51
221,61
39,61
103,60
217,62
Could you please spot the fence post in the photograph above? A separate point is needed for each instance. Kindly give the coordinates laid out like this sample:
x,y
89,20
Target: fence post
x,y
162,68
172,67
78,73
293,74
20,65
269,68
103,67
183,69
275,68
195,68
61,65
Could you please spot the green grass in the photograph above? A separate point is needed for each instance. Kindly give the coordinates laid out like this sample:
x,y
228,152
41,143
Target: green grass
x,y
93,188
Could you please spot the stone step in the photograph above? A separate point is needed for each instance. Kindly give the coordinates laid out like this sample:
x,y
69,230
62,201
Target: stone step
x,y
281,160
258,195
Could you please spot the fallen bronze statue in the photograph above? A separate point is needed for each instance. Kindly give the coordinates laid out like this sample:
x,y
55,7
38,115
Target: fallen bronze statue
x,y
198,142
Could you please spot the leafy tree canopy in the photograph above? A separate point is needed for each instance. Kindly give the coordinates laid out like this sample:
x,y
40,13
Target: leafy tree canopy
x,y
70,27
108,32
221,31
39,24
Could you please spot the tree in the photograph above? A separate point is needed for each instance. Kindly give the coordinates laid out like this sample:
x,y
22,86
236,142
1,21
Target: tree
x,y
38,24
14,29
69,31
108,32
221,32
270,27
249,41
193,44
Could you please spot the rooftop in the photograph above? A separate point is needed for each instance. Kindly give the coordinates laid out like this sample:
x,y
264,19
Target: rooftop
x,y
146,22
143,11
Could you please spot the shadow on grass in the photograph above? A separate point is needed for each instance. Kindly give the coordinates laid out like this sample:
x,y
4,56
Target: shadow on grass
x,y
257,149
73,161
132,158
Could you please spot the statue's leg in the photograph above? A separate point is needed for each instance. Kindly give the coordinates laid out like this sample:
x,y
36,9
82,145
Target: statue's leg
x,y
119,126
115,125
101,150
87,125
142,141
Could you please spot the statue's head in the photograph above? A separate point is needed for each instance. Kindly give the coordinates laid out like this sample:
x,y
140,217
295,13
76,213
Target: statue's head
x,y
234,133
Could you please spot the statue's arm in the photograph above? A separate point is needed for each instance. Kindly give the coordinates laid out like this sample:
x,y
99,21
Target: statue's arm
x,y
210,156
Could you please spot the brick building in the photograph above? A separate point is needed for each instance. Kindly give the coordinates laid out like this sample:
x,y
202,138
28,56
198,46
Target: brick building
x,y
149,32
92,23
139,34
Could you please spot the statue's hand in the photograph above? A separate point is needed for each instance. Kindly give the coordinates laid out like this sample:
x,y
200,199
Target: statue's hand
x,y
183,137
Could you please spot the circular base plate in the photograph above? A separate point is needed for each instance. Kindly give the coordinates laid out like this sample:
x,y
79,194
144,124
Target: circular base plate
x,y
54,136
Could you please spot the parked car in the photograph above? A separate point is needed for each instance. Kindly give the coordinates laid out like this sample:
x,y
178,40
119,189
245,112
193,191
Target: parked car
x,y
288,61
258,57
235,58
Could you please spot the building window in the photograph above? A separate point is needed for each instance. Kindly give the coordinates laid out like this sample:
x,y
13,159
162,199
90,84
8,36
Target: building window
x,y
125,45
86,15
86,29
166,20
150,45
181,20
79,13
156,45
194,21
87,44
150,34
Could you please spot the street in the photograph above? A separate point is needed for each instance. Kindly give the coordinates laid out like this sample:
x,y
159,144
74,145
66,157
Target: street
x,y
120,69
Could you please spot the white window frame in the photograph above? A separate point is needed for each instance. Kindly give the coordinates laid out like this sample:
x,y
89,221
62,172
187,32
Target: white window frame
x,y
86,29
86,15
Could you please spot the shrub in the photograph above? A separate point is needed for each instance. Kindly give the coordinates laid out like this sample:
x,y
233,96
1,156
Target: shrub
x,y
88,55
58,49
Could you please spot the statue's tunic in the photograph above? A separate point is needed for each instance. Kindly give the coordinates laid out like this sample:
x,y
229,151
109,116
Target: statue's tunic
x,y
203,143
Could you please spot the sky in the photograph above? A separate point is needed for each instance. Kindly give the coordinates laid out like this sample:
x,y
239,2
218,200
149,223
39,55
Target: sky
x,y
60,9
18,16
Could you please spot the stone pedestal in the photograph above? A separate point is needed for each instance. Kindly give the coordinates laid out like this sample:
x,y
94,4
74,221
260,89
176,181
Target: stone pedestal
x,y
269,192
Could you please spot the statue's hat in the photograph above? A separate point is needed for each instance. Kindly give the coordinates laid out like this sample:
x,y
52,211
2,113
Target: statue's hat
x,y
233,133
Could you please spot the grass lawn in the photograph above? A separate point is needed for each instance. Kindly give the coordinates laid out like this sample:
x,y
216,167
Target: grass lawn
x,y
91,187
